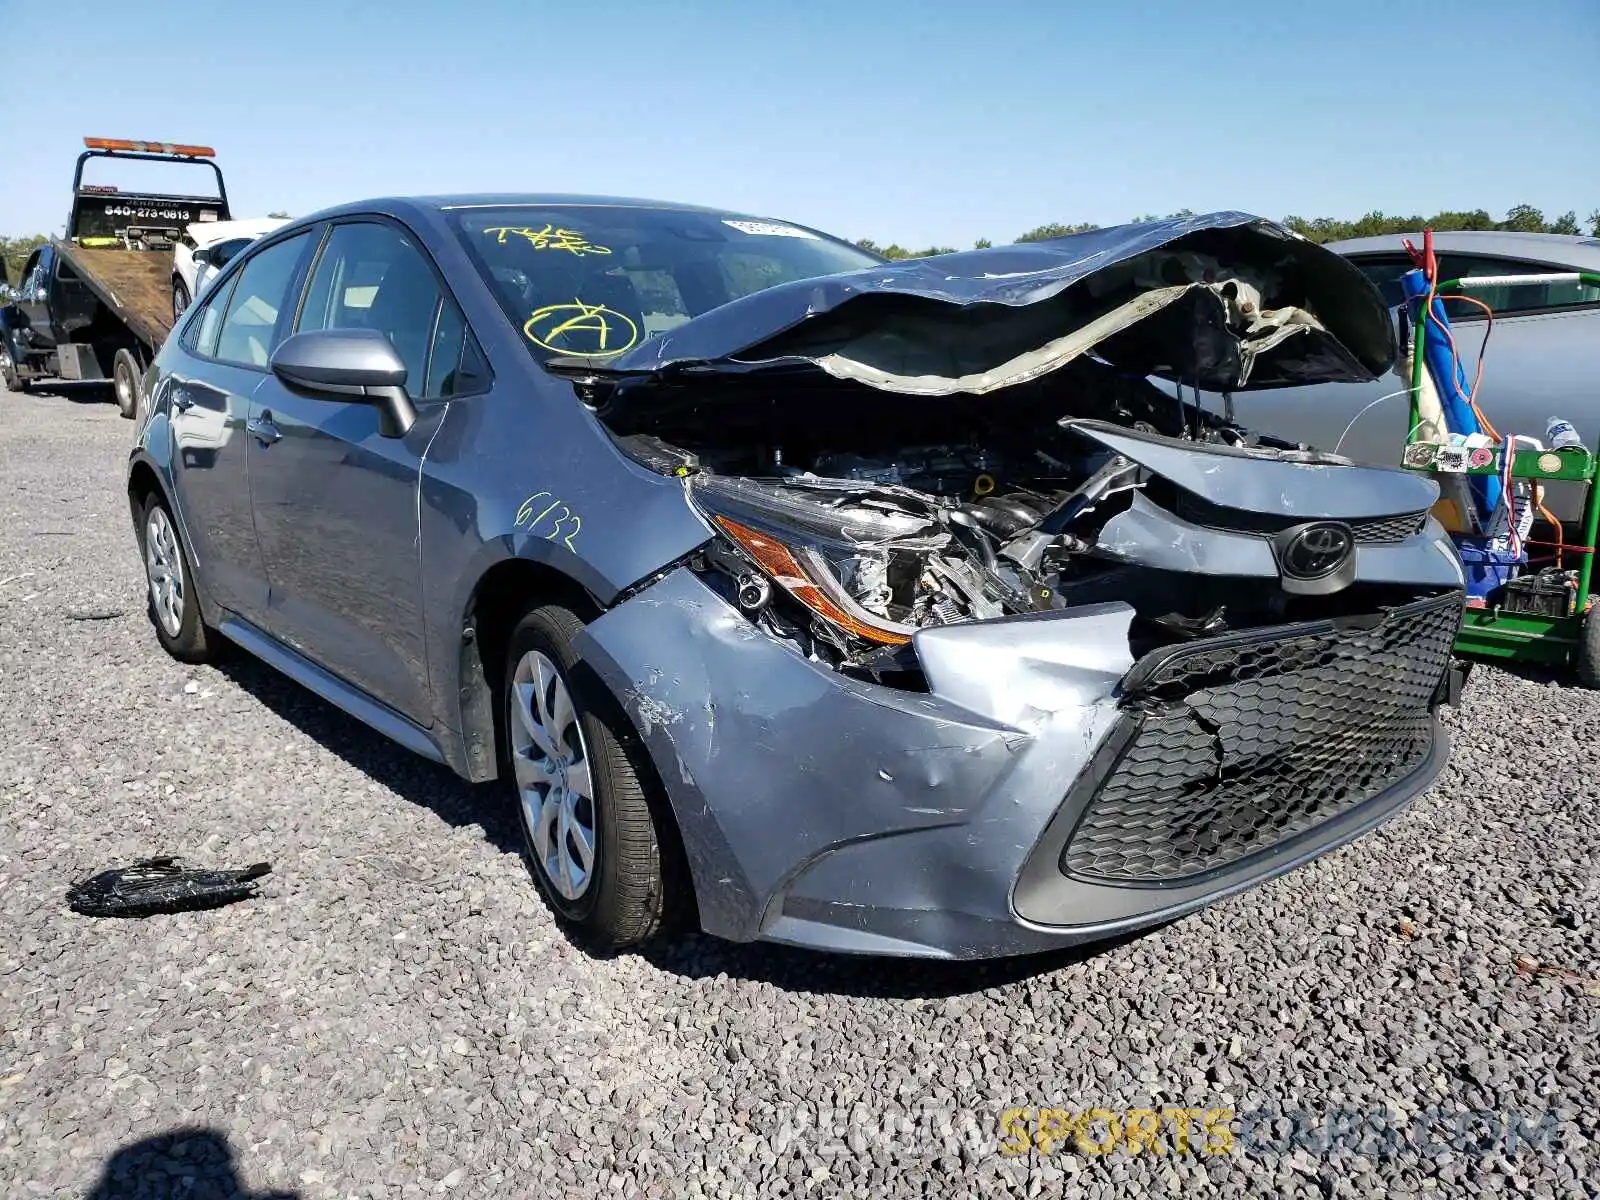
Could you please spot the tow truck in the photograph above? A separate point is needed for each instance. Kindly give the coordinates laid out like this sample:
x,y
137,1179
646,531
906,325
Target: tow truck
x,y
97,303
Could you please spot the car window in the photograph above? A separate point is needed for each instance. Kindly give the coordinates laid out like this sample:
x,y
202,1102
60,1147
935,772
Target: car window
x,y
445,355
203,338
1512,298
32,276
661,302
373,276
246,335
223,252
1385,271
599,280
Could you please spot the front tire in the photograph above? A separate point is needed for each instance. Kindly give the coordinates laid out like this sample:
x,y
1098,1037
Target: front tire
x,y
582,785
125,381
9,379
1587,659
180,298
174,595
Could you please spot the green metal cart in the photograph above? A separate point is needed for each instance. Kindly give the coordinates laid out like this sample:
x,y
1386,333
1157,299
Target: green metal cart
x,y
1509,631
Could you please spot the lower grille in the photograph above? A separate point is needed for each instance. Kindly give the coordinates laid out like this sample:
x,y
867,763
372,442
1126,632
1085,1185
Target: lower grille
x,y
1242,742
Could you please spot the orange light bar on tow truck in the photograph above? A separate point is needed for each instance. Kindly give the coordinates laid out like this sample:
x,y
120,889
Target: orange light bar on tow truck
x,y
180,150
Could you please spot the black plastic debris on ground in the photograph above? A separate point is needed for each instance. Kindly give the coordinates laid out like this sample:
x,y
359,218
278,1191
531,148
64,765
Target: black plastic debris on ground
x,y
160,885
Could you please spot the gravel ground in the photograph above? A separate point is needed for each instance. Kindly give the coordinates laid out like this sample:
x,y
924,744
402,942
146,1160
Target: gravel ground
x,y
399,1016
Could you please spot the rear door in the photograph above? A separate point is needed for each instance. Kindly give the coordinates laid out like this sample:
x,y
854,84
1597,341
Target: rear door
x,y
336,502
224,361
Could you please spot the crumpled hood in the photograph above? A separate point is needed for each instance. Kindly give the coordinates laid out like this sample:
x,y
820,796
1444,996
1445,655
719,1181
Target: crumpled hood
x,y
1308,485
1224,301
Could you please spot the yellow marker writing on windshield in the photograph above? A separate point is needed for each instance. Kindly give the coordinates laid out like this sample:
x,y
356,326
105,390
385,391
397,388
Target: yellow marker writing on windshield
x,y
548,238
579,328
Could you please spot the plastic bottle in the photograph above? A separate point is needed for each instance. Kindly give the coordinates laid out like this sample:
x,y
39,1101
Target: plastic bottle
x,y
1560,435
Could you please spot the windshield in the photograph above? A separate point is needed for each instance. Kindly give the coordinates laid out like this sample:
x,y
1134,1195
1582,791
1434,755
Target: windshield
x,y
599,280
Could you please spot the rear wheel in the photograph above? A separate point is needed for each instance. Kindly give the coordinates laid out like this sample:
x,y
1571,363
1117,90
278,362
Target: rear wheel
x,y
174,597
582,783
9,379
180,298
1587,660
125,380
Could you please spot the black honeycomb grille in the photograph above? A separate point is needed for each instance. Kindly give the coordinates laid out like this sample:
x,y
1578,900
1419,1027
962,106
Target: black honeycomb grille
x,y
1245,741
1388,529
1367,530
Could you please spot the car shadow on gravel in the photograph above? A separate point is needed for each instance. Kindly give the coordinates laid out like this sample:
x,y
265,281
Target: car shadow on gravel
x,y
75,391
194,1161
699,956
408,775
690,955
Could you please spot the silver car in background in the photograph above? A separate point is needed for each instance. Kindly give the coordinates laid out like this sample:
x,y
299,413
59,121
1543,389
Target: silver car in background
x,y
1543,355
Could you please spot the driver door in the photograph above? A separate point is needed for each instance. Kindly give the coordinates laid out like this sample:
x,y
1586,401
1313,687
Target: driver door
x,y
335,501
33,299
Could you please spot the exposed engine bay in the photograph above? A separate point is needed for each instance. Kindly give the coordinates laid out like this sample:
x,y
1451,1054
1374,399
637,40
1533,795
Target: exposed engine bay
x,y
895,463
1004,514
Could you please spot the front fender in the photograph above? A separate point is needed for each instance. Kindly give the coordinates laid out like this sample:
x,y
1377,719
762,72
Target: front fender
x,y
531,477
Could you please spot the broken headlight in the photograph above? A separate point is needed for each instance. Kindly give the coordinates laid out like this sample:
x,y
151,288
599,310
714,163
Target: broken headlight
x,y
850,555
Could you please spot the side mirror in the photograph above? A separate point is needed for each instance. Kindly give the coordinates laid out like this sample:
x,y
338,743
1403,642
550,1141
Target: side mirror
x,y
202,258
357,365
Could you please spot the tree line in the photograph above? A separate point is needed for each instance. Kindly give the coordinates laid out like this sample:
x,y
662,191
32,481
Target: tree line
x,y
1521,218
14,252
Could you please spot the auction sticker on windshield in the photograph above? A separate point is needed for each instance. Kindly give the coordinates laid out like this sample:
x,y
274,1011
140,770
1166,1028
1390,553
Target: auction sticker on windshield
x,y
770,229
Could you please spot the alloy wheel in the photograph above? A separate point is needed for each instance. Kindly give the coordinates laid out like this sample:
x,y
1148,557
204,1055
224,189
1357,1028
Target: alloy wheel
x,y
163,563
554,782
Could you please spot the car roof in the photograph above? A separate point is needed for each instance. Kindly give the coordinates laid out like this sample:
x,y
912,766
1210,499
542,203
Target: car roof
x,y
1577,252
531,199
450,203
437,206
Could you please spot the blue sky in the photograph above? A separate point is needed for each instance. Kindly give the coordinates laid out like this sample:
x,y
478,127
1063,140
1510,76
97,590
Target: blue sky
x,y
913,122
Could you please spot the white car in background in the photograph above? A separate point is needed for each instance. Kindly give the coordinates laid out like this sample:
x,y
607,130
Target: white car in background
x,y
205,248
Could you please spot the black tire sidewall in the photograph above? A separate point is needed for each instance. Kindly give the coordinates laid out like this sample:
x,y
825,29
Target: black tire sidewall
x,y
123,364
180,288
191,644
549,630
10,381
1587,659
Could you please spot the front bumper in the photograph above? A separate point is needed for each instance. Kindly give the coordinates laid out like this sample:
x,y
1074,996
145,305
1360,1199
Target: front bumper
x,y
822,811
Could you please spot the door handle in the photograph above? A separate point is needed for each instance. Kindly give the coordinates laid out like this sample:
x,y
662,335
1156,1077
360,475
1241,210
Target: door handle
x,y
262,429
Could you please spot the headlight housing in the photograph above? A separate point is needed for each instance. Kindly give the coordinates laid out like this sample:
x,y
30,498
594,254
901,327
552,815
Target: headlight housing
x,y
852,562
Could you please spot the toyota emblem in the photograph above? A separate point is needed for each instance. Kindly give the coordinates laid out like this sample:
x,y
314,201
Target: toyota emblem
x,y
1316,550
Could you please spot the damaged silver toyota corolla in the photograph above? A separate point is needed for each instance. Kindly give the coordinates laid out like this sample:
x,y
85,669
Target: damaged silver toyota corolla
x,y
873,607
